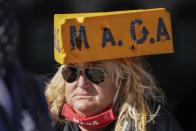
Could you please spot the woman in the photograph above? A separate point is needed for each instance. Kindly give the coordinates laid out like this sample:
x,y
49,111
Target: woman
x,y
122,85
105,95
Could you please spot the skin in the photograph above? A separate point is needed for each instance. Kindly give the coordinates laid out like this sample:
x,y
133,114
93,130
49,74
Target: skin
x,y
87,98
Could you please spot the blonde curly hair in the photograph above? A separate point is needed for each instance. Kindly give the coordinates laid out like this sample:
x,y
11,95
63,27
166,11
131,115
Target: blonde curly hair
x,y
136,87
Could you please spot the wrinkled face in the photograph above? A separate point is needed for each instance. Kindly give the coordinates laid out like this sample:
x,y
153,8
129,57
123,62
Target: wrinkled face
x,y
88,98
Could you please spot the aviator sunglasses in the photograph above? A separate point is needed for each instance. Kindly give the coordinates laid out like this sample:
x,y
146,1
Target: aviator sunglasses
x,y
94,74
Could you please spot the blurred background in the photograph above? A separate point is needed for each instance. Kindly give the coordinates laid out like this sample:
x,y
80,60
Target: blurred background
x,y
175,73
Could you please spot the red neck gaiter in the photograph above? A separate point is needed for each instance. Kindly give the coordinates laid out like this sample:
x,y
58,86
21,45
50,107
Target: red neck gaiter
x,y
94,122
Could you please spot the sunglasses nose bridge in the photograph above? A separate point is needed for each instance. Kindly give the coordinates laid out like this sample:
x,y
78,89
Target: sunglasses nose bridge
x,y
83,79
81,71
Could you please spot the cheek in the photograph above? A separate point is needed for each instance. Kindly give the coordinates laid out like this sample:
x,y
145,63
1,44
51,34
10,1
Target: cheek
x,y
68,92
67,96
108,91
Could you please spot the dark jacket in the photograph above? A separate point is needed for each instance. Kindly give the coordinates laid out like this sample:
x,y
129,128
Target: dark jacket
x,y
164,121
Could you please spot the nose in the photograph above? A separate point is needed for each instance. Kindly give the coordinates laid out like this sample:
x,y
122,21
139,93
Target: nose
x,y
83,81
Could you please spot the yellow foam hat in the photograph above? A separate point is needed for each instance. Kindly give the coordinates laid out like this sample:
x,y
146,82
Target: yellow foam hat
x,y
89,37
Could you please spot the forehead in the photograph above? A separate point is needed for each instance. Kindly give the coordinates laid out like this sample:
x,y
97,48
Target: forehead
x,y
103,64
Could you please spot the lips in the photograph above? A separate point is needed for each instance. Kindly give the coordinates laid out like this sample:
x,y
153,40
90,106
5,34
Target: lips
x,y
83,94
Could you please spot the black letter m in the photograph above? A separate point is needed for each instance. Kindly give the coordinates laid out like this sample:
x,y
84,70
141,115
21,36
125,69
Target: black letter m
x,y
76,38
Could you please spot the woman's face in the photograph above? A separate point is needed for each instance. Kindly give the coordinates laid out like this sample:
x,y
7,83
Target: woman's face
x,y
87,98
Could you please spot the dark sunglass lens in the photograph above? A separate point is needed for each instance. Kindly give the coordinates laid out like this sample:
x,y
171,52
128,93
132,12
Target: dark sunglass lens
x,y
95,75
70,74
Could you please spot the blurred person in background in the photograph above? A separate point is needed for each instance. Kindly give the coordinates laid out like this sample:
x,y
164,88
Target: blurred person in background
x,y
102,91
22,104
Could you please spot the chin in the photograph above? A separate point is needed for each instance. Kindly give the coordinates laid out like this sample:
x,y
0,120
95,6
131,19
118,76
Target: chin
x,y
84,107
83,104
